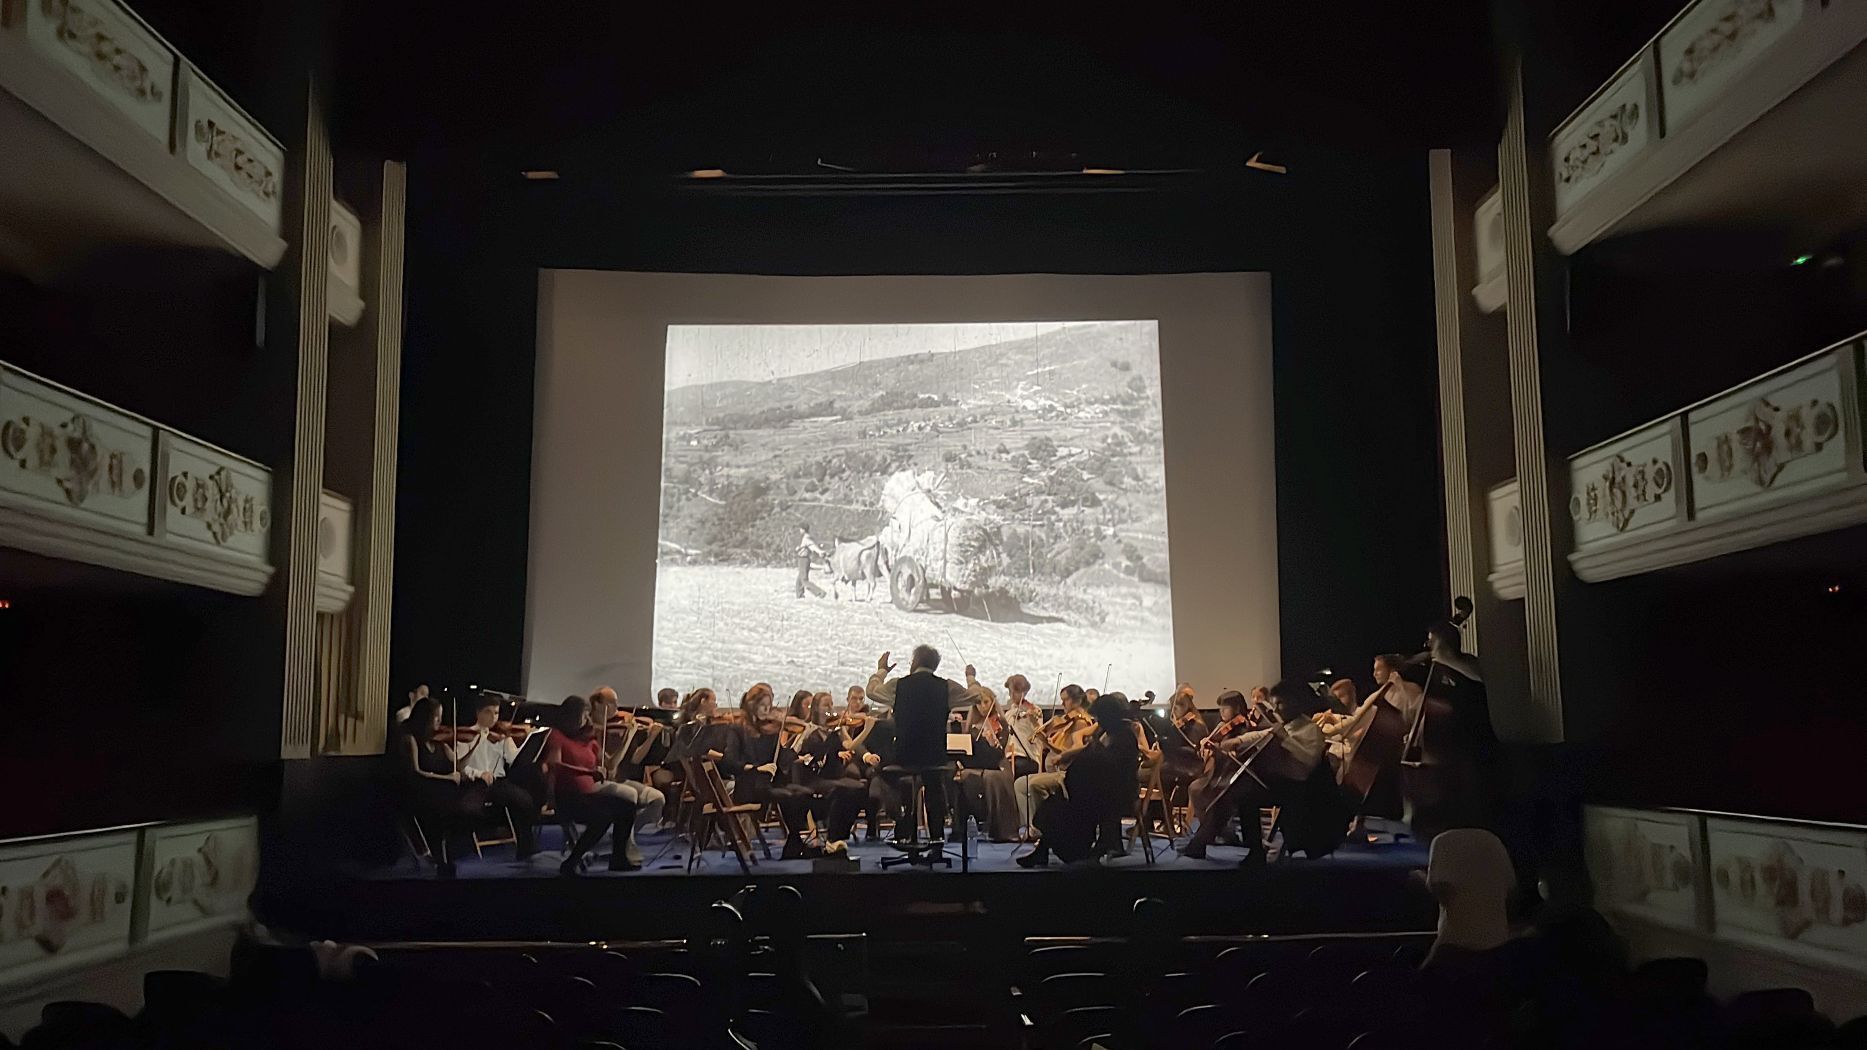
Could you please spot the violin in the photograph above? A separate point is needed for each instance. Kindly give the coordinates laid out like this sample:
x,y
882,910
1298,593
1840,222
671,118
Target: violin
x,y
514,731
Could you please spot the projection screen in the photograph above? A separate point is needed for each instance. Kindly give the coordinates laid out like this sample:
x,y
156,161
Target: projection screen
x,y
741,479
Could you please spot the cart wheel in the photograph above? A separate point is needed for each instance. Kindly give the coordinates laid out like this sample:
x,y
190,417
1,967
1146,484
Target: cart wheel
x,y
906,585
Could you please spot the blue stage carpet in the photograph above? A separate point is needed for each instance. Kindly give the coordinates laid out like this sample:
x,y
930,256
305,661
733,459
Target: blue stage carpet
x,y
665,854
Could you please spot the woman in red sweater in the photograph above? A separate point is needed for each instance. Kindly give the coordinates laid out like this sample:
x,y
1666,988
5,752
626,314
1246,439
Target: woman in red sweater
x,y
576,778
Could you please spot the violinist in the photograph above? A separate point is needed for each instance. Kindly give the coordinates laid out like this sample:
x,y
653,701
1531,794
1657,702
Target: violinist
x,y
628,738
825,766
623,745
1017,736
1283,763
1255,711
668,699
486,757
1063,739
968,796
860,736
696,735
764,775
1234,718
434,790
1179,741
576,776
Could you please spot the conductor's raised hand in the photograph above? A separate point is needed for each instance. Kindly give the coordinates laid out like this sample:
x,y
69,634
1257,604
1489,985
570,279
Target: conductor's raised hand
x,y
883,665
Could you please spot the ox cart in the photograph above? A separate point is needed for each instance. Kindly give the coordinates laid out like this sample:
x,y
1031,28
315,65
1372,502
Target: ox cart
x,y
933,552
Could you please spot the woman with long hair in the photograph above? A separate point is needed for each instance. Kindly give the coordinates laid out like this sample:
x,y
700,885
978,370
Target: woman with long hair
x,y
433,789
575,773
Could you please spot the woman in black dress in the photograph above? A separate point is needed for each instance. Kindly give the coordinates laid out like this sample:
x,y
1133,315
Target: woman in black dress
x,y
434,792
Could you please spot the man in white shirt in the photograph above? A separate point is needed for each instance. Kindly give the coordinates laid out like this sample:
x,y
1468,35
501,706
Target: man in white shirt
x,y
487,758
1279,761
807,554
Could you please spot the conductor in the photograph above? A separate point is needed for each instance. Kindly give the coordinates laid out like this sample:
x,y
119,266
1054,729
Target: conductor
x,y
921,700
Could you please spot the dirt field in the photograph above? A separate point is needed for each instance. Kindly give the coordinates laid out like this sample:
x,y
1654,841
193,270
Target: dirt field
x,y
728,626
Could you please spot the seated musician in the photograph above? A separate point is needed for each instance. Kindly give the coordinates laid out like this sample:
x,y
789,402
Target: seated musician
x,y
626,741
1235,716
860,736
1343,699
1386,666
434,791
825,764
1283,767
1015,736
764,774
1342,732
967,797
884,799
1179,739
580,792
696,735
487,757
1099,785
1064,737
668,699
1149,753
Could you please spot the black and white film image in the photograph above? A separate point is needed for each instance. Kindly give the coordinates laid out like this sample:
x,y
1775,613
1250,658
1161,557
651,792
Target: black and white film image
x,y
833,491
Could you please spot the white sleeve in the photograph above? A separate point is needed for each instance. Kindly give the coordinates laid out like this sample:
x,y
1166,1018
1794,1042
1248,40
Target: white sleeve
x,y
881,689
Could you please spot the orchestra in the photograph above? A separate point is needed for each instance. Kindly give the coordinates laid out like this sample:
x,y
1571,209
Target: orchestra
x,y
1318,751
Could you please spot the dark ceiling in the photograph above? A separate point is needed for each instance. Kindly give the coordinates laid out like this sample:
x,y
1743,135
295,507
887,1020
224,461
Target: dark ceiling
x,y
639,89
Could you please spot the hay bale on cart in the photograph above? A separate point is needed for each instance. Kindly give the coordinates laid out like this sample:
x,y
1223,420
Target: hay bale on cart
x,y
935,553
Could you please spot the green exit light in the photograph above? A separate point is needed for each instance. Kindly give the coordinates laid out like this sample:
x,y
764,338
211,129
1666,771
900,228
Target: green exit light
x,y
1802,259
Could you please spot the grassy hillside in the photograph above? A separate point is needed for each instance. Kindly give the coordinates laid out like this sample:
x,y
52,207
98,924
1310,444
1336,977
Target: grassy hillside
x,y
1056,438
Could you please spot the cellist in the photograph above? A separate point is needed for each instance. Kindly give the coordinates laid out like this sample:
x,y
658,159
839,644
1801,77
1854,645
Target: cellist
x,y
1283,769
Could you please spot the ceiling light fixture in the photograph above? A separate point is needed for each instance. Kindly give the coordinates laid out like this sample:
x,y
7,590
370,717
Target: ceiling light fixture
x,y
706,173
1103,171
540,175
1258,162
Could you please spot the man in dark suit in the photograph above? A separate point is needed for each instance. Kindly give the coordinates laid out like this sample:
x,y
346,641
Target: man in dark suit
x,y
920,700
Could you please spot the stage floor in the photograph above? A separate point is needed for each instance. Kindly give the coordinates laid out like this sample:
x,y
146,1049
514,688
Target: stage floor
x,y
665,854
1363,887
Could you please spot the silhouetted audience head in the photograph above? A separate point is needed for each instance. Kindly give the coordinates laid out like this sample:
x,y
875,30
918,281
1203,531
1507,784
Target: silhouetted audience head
x,y
1470,874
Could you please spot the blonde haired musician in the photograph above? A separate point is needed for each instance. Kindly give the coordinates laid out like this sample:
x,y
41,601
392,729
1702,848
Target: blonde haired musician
x,y
1063,738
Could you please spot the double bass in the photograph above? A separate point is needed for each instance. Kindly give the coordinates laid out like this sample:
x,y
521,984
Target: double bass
x,y
1442,760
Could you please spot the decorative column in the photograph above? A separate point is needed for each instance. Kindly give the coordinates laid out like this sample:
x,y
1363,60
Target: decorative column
x,y
1534,323
306,271
361,446
1453,267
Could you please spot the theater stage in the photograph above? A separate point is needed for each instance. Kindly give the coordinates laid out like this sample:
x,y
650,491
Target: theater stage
x,y
1363,886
